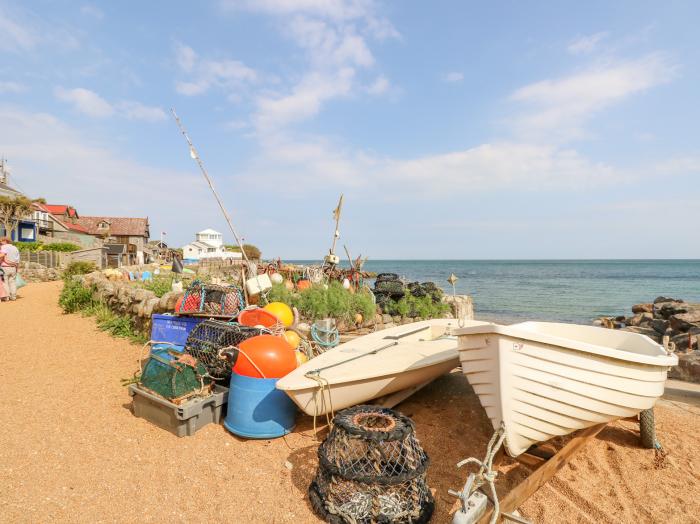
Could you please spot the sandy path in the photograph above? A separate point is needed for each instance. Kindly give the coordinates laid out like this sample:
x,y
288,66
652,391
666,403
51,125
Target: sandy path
x,y
70,449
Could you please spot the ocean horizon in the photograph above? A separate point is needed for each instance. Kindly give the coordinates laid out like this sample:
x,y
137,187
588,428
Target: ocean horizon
x,y
558,290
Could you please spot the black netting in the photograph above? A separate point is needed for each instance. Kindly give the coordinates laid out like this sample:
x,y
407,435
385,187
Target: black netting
x,y
372,469
395,288
381,277
207,340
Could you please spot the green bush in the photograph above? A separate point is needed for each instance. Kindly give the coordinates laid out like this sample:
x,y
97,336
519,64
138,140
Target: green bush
x,y
416,307
62,247
78,268
74,297
320,301
159,285
251,251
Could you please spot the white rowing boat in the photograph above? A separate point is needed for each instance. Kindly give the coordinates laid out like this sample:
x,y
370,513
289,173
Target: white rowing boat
x,y
542,380
375,365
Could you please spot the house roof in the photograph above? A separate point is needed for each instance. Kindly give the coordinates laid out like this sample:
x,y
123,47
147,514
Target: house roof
x,y
208,232
7,189
60,209
200,245
118,226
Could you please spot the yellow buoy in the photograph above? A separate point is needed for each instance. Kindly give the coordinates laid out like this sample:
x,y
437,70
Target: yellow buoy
x,y
301,358
282,311
358,319
293,338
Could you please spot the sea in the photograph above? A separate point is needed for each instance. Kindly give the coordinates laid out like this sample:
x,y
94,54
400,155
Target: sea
x,y
577,291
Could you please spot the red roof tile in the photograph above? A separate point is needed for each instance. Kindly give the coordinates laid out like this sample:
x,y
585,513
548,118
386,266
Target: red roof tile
x,y
59,209
118,226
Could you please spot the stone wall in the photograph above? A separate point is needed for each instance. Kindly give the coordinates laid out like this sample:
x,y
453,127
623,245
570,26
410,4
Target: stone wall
x,y
125,299
33,272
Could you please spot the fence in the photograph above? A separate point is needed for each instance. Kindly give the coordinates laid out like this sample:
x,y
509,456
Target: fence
x,y
52,259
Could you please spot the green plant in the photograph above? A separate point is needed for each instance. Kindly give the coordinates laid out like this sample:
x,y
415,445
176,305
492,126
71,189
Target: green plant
x,y
78,268
251,251
280,293
416,307
159,285
74,297
62,247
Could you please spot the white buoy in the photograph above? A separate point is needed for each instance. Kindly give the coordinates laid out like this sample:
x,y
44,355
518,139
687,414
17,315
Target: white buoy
x,y
276,278
346,283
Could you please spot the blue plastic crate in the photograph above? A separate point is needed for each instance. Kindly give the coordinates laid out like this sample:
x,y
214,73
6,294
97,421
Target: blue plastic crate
x,y
169,328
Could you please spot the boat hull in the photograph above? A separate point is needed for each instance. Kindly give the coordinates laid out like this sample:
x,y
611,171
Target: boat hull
x,y
540,387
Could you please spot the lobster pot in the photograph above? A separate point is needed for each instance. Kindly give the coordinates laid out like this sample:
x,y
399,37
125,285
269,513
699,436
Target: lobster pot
x,y
208,340
212,300
172,379
372,469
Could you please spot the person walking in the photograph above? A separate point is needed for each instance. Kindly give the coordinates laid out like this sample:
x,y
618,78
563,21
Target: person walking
x,y
9,262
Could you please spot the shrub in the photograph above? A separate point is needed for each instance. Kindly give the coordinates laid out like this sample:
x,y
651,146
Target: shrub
x,y
420,307
159,285
62,247
251,251
74,297
78,268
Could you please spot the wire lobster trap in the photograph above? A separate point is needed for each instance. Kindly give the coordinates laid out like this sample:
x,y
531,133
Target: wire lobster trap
x,y
372,469
211,300
214,343
174,376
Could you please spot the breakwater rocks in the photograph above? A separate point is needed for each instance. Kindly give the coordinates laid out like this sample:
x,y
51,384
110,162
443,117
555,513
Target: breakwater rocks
x,y
667,320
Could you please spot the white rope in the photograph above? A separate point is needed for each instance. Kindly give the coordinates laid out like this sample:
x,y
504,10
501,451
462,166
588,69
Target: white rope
x,y
486,473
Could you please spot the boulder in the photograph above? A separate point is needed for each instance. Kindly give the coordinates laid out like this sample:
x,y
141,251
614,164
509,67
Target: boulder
x,y
643,308
639,319
667,309
460,305
659,325
684,321
658,300
386,319
688,367
685,341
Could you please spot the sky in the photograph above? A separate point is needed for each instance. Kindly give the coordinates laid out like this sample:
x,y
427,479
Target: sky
x,y
455,129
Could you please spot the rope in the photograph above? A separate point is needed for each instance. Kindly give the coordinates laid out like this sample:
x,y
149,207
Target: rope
x,y
485,475
323,386
326,338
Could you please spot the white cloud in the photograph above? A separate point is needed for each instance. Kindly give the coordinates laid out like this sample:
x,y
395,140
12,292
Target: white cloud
x,y
15,36
586,44
231,75
93,11
90,103
10,87
559,107
138,111
85,101
380,86
453,76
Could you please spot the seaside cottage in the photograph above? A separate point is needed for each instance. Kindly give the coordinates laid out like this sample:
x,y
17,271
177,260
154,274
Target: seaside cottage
x,y
208,244
124,237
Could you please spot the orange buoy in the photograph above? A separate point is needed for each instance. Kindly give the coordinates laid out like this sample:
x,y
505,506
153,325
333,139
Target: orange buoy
x,y
289,285
257,317
303,284
265,356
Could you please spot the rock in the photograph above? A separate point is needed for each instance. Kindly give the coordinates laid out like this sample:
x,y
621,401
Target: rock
x,y
666,299
396,319
688,367
667,309
649,332
659,325
643,308
149,306
460,305
388,325
685,321
685,341
598,322
641,318
386,319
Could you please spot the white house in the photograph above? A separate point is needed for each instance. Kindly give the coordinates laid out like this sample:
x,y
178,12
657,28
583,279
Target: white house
x,y
208,244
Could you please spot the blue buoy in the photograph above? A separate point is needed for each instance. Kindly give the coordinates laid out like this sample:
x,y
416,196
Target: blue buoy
x,y
257,410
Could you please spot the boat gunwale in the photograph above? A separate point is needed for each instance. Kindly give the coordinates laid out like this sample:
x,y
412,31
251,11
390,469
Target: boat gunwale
x,y
517,331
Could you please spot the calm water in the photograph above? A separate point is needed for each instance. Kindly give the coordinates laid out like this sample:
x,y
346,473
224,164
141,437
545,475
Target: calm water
x,y
567,291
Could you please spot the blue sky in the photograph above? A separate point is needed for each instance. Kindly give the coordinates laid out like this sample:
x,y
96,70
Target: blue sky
x,y
454,129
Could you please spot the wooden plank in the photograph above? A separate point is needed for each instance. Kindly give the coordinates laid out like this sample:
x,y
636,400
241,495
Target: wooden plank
x,y
518,495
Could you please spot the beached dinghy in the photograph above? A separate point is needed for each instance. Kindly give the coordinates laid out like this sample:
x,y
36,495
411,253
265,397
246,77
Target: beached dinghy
x,y
545,379
398,359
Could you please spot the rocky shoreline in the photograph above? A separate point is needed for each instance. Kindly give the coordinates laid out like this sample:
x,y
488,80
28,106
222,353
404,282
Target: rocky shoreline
x,y
671,322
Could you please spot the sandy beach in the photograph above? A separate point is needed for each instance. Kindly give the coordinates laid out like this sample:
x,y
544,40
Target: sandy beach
x,y
73,451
